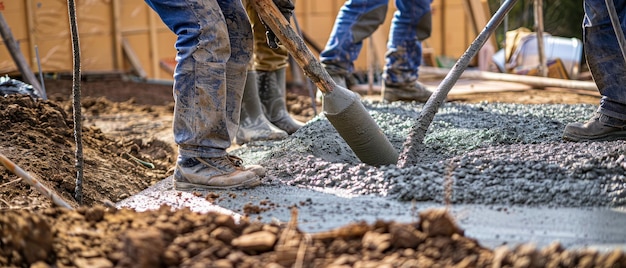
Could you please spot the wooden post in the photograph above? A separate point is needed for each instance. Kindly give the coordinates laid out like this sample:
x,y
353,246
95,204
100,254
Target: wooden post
x,y
30,22
154,45
117,36
543,66
17,56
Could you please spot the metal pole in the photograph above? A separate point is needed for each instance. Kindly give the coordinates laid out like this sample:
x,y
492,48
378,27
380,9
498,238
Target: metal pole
x,y
43,86
413,144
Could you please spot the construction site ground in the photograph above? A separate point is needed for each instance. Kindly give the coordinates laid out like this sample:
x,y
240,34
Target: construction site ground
x,y
497,187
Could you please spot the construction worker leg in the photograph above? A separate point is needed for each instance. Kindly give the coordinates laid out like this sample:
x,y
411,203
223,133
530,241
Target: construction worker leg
x,y
604,56
607,66
357,20
270,65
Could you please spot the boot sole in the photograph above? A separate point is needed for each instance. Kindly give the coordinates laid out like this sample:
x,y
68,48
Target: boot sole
x,y
619,135
187,186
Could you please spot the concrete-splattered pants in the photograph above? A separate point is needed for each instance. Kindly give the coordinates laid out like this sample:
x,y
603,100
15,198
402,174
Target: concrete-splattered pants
x,y
358,19
214,48
604,56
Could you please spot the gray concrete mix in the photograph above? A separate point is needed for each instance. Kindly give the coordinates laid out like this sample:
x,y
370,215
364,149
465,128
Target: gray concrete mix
x,y
502,170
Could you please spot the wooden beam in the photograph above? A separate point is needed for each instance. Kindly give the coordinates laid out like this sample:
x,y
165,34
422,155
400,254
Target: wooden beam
x,y
154,45
479,14
18,57
133,59
32,35
117,36
525,79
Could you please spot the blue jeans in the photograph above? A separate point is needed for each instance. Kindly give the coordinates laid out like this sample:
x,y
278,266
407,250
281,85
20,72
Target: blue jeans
x,y
604,56
214,47
358,19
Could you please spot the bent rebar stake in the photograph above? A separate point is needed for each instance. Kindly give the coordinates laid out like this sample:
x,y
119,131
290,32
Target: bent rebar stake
x,y
414,144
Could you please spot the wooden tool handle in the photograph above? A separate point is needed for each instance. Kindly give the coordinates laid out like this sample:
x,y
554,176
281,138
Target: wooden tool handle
x,y
271,16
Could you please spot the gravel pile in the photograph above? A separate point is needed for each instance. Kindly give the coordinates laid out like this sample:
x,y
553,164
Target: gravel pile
x,y
484,153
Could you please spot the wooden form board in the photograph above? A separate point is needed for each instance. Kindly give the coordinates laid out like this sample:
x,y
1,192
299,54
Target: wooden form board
x,y
103,24
478,14
13,14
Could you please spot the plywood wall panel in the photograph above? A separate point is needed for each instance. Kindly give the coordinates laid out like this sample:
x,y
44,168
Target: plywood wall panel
x,y
45,23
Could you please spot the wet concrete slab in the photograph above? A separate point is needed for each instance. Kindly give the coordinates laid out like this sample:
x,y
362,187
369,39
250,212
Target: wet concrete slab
x,y
323,209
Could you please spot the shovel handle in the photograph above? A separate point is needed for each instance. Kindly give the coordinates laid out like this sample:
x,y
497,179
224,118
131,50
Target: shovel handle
x,y
271,16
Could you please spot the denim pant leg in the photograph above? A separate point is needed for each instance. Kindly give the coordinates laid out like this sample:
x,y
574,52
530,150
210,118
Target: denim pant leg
x,y
404,49
241,46
357,20
604,56
208,82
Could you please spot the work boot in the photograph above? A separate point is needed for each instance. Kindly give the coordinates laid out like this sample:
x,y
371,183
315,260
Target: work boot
x,y
599,128
197,173
253,125
238,162
272,91
406,92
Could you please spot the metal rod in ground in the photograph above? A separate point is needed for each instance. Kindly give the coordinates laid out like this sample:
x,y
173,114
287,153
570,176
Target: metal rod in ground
x,y
43,86
78,136
414,144
33,182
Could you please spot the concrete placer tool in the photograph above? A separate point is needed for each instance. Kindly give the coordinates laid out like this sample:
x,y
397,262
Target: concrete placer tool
x,y
342,107
414,144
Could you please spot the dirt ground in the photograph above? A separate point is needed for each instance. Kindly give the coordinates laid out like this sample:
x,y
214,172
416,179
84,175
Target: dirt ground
x,y
127,147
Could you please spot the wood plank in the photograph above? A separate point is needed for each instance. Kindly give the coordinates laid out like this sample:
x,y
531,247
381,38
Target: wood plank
x,y
478,13
462,86
154,55
530,80
117,36
133,59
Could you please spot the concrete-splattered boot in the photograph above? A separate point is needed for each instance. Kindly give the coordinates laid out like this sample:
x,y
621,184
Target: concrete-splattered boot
x,y
400,74
599,128
272,91
253,125
415,91
607,65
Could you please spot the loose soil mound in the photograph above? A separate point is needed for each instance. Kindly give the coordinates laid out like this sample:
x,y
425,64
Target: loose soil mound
x,y
38,136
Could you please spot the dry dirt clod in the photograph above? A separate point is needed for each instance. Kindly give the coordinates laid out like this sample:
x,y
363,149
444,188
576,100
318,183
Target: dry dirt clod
x,y
437,222
256,242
